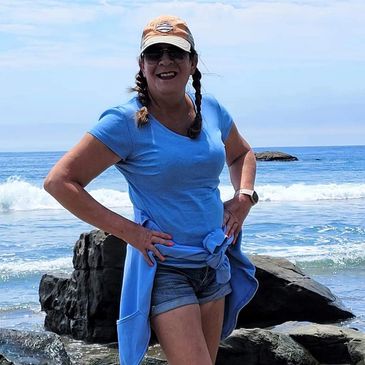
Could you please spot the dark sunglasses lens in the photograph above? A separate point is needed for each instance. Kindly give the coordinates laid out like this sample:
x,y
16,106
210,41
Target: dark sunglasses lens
x,y
177,54
154,54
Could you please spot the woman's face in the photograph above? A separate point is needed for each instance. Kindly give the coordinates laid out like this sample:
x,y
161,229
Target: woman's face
x,y
167,69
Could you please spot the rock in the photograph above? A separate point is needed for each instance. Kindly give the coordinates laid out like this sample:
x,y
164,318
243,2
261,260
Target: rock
x,y
331,344
148,360
86,305
5,361
262,347
31,347
274,156
356,348
287,294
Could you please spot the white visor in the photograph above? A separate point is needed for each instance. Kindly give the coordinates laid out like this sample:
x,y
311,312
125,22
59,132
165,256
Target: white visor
x,y
169,39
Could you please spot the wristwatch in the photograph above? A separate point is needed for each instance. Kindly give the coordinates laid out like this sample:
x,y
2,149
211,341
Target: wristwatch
x,y
251,193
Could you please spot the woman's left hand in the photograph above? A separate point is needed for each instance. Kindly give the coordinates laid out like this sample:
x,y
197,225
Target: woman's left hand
x,y
235,212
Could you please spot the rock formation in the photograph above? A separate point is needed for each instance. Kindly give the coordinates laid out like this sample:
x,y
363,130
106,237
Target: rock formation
x,y
86,305
274,156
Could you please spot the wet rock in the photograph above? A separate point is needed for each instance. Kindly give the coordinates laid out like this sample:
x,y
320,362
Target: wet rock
x,y
274,156
148,360
31,347
288,294
86,305
331,344
356,350
262,347
5,361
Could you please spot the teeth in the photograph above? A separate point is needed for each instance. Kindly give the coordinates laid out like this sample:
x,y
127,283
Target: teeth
x,y
167,74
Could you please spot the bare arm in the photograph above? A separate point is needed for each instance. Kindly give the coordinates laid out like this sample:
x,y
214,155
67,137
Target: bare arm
x,y
67,180
242,168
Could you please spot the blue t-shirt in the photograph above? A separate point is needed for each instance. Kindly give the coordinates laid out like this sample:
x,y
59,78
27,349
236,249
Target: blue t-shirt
x,y
172,178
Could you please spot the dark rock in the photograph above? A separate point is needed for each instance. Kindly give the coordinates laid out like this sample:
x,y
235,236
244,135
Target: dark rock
x,y
287,294
148,360
262,347
5,361
356,350
86,305
331,344
30,347
274,156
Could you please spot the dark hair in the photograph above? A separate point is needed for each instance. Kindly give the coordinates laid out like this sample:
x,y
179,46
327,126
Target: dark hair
x,y
141,88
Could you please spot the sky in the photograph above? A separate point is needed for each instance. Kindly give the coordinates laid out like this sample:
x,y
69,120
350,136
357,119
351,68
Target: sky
x,y
291,73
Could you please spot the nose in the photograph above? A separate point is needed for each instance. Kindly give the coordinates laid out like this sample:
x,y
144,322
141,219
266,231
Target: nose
x,y
165,58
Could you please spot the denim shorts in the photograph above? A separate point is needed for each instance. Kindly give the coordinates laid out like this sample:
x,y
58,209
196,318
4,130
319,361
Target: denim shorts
x,y
175,287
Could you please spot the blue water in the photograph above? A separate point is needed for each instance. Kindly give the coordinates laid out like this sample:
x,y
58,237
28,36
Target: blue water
x,y
311,212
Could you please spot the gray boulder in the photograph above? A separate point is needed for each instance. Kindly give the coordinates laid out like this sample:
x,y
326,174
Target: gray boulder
x,y
331,344
288,294
31,347
274,156
262,347
356,350
86,305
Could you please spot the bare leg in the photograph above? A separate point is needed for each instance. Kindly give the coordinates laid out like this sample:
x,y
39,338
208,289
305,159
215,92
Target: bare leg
x,y
181,337
212,315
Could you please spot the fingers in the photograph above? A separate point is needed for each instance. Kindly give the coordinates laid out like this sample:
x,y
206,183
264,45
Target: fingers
x,y
231,224
156,252
166,236
163,240
232,228
147,258
152,238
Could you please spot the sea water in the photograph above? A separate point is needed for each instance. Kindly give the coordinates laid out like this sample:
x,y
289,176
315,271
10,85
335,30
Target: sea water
x,y
311,211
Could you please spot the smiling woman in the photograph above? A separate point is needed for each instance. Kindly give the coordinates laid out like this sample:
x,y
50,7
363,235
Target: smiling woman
x,y
185,275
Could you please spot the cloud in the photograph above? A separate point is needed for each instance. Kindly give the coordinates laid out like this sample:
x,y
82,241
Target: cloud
x,y
96,33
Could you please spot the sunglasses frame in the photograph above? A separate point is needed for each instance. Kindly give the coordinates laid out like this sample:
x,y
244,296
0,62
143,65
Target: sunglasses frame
x,y
175,54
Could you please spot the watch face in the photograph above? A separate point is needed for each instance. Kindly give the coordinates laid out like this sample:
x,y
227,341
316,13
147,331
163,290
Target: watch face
x,y
255,197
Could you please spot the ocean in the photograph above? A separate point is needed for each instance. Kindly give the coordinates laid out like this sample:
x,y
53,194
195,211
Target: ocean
x,y
311,211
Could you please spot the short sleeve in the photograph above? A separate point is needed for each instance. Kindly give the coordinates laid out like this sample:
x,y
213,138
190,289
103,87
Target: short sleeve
x,y
226,122
112,129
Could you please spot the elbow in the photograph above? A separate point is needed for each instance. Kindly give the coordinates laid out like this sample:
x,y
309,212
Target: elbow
x,y
52,184
48,184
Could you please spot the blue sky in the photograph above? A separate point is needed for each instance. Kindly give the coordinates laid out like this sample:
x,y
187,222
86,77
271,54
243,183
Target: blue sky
x,y
292,73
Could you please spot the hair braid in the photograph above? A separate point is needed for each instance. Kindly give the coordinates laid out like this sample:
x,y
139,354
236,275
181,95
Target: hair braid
x,y
141,88
196,126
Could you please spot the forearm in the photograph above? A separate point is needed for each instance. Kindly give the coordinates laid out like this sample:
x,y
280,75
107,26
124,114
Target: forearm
x,y
79,202
243,171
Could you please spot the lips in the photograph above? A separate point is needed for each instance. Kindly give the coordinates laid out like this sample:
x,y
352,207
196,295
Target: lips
x,y
167,75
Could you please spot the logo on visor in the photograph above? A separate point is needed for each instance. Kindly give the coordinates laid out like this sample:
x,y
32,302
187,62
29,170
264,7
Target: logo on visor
x,y
164,27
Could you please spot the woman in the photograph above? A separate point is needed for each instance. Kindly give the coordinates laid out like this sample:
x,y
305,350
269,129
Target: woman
x,y
185,274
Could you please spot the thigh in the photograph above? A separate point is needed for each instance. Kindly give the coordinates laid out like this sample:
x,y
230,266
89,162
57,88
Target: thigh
x,y
172,288
181,336
212,315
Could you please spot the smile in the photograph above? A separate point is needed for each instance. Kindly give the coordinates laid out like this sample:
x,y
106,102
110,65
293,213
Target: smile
x,y
167,75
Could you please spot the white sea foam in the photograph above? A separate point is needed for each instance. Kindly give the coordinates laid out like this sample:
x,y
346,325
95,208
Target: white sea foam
x,y
339,256
305,192
17,194
22,267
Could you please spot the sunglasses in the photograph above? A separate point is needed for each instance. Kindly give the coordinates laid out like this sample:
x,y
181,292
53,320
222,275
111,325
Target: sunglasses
x,y
153,54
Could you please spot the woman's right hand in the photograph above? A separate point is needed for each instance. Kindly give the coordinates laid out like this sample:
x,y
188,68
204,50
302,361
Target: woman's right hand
x,y
144,240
